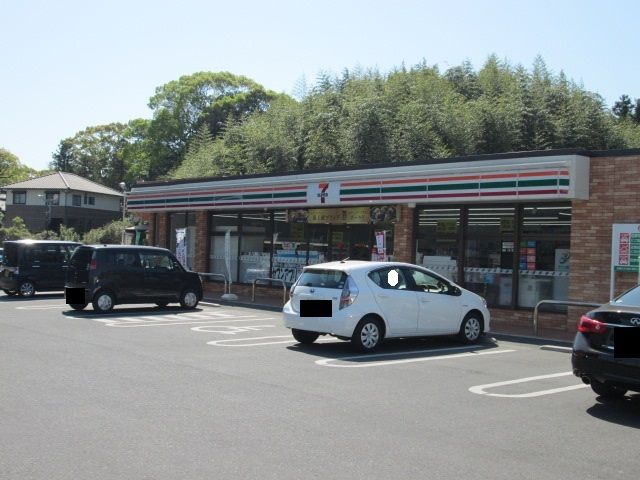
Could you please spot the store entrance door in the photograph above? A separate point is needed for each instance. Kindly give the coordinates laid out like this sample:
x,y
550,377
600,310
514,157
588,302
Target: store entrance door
x,y
350,241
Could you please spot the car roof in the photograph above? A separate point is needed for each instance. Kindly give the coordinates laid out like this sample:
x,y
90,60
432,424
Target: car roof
x,y
357,265
125,247
30,241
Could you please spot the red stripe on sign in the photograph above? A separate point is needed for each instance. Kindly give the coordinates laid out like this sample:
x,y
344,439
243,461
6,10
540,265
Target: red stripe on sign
x,y
536,192
215,192
358,199
497,194
402,181
498,175
539,174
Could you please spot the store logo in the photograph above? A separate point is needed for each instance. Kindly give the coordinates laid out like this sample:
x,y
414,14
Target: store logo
x,y
323,191
635,321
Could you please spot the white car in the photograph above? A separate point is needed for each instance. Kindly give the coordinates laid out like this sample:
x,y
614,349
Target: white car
x,y
366,302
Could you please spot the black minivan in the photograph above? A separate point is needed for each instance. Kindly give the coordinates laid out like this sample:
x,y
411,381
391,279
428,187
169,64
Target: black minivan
x,y
107,275
34,265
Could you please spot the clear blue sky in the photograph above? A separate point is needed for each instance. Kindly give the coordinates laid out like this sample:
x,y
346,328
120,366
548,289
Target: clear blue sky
x,y
69,64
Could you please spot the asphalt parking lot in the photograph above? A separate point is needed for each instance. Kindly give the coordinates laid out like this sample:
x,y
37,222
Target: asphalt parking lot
x,y
225,392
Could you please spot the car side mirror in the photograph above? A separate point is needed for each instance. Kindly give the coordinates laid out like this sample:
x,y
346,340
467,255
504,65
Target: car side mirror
x,y
453,290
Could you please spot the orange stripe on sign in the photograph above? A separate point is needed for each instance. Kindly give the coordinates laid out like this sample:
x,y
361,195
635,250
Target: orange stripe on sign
x,y
499,175
358,184
453,179
538,174
405,180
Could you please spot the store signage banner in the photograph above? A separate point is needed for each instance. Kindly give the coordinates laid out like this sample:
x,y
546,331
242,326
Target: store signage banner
x,y
625,245
181,246
323,193
341,216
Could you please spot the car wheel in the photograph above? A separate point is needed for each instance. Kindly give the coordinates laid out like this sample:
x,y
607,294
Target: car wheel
x,y
27,289
471,328
189,299
78,306
103,301
606,390
162,304
368,334
304,336
11,293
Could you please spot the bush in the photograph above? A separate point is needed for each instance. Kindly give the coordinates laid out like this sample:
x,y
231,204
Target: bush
x,y
110,233
17,231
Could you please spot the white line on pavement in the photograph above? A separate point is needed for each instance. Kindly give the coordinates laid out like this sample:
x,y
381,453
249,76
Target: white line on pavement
x,y
480,389
327,362
228,342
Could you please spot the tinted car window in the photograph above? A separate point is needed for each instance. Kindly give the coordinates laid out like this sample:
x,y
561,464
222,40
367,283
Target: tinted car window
x,y
322,278
10,255
121,259
389,278
46,254
81,258
630,297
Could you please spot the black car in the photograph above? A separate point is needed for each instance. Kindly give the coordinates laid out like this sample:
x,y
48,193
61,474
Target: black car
x,y
598,357
34,265
107,275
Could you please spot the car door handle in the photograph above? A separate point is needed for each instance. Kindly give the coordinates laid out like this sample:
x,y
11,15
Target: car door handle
x,y
35,266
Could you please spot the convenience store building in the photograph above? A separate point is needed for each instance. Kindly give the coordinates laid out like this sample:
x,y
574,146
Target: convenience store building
x,y
516,228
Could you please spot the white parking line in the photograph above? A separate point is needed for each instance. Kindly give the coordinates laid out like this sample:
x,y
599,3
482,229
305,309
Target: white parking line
x,y
42,307
230,342
229,329
327,362
480,389
150,321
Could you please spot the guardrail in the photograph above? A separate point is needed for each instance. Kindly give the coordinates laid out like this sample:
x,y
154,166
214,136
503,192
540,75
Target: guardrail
x,y
557,302
224,279
265,279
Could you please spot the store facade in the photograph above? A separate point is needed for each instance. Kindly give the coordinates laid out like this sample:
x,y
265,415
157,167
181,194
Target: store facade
x,y
515,228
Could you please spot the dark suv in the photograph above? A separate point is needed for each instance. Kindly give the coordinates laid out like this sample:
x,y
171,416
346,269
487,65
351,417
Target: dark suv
x,y
606,347
107,275
30,265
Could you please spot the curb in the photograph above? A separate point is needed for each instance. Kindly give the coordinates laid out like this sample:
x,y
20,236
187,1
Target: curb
x,y
541,341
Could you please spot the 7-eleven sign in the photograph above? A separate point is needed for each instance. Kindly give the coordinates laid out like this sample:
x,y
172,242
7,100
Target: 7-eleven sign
x,y
323,193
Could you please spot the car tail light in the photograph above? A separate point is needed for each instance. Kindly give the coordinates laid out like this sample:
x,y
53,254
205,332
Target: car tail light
x,y
292,290
589,325
94,264
349,293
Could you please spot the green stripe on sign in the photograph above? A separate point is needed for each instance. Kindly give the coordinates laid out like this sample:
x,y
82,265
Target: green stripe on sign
x,y
201,199
564,182
256,195
454,186
219,198
357,191
499,184
176,200
411,188
289,194
538,183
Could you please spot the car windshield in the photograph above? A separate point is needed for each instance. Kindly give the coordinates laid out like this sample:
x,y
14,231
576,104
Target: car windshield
x,y
322,278
630,297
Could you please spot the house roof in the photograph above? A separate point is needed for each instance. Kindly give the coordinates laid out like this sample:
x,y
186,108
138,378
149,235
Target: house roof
x,y
62,181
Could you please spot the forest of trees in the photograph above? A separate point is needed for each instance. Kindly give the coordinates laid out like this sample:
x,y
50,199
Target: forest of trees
x,y
209,124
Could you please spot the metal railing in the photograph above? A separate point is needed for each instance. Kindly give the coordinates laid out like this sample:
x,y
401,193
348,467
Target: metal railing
x,y
570,303
224,279
265,279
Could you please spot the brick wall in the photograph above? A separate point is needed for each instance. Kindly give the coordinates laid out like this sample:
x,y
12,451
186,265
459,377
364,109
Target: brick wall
x,y
202,254
403,235
163,226
614,197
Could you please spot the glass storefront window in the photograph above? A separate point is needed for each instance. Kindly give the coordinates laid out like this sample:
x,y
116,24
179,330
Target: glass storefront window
x,y
255,248
186,221
224,236
489,253
437,240
289,248
543,254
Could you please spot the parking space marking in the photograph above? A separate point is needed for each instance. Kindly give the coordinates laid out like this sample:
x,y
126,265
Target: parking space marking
x,y
327,362
229,329
248,341
480,389
172,319
41,307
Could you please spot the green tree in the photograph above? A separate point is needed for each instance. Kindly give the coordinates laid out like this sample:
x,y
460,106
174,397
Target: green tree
x,y
111,233
623,108
182,106
17,231
11,170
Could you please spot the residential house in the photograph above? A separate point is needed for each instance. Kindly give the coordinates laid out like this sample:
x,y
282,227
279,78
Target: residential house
x,y
61,198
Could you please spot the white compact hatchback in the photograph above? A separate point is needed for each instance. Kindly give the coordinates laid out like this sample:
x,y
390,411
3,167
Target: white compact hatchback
x,y
366,302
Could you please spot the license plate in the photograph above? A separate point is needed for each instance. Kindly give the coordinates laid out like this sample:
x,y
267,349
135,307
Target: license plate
x,y
316,308
626,342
